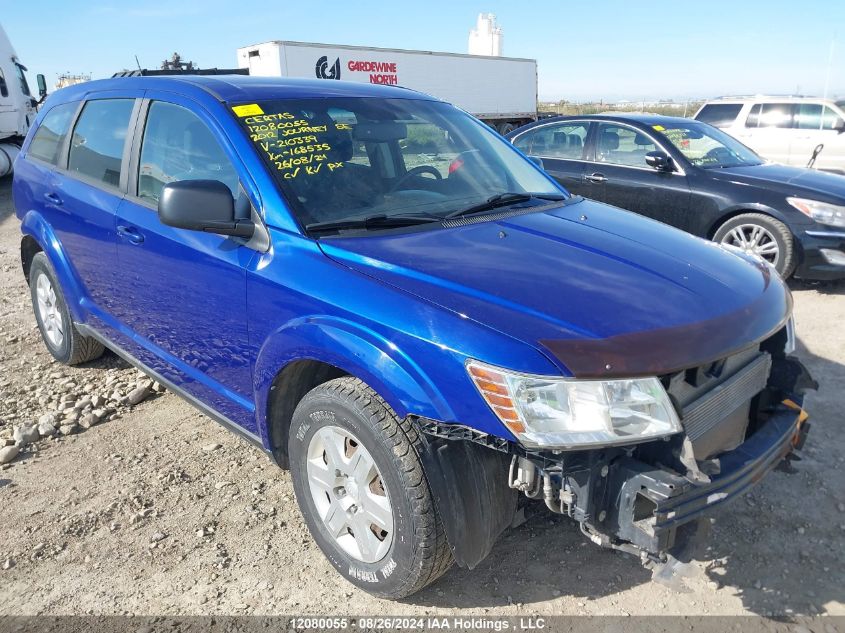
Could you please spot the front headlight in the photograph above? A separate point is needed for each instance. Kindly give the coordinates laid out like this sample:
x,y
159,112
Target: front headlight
x,y
821,212
552,412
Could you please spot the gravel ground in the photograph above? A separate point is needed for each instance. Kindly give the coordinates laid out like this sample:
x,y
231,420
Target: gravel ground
x,y
155,509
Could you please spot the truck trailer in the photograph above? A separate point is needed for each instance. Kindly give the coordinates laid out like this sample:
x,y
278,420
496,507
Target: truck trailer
x,y
501,91
17,105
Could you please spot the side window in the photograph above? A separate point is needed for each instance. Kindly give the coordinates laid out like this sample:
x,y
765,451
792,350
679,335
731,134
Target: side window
x,y
96,146
620,145
808,116
4,87
559,140
753,116
48,139
523,142
22,79
177,145
719,114
831,120
777,115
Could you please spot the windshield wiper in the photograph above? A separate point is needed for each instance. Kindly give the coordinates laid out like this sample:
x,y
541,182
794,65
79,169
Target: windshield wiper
x,y
371,222
502,200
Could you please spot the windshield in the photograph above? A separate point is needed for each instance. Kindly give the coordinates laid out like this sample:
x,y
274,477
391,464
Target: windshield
x,y
339,159
705,146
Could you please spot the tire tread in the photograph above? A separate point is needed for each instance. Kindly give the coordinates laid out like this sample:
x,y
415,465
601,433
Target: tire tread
x,y
432,557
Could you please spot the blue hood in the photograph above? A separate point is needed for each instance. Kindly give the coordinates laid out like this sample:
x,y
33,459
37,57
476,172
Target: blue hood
x,y
792,181
583,272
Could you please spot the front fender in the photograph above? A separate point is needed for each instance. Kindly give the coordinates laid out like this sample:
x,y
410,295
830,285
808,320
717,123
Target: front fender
x,y
35,226
358,351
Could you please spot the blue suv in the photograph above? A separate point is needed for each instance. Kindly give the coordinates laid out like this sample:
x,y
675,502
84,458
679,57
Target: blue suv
x,y
398,306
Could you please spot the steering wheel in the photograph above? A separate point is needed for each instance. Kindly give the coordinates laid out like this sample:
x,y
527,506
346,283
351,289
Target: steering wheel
x,y
416,171
719,154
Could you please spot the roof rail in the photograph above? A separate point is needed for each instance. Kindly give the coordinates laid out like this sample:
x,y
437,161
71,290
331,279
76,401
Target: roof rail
x,y
143,72
766,96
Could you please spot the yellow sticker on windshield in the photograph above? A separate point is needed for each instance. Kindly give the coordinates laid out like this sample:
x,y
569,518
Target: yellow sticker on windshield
x,y
250,109
659,128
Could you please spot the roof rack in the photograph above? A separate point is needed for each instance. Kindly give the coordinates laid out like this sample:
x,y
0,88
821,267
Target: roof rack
x,y
144,72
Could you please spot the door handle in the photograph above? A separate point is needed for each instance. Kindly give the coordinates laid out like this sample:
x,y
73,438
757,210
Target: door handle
x,y
130,234
595,177
52,197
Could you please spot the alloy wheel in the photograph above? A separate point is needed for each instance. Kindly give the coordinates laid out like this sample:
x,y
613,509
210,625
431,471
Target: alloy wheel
x,y
351,499
755,240
48,310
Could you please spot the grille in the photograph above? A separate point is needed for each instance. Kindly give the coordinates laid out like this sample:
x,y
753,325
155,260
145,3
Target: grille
x,y
705,413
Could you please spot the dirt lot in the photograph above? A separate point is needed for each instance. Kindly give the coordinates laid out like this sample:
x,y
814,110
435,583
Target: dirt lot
x,y
158,510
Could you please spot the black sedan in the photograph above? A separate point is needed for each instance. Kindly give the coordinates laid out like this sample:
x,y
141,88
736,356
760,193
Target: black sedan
x,y
697,178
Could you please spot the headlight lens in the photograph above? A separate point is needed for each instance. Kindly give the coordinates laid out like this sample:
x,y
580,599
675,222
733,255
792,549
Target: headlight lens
x,y
566,413
821,212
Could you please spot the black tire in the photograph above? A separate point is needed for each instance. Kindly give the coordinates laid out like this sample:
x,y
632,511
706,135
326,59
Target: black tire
x,y
506,128
74,348
418,553
786,261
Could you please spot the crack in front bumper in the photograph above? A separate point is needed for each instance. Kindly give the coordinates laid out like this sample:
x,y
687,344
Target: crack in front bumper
x,y
652,503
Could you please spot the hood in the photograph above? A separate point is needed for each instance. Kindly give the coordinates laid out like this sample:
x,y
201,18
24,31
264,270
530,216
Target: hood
x,y
575,280
791,180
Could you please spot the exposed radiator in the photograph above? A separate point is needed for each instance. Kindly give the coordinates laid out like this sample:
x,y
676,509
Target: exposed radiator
x,y
704,414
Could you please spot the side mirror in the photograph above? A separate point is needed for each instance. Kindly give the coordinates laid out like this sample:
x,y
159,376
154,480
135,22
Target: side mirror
x,y
659,160
42,85
839,126
202,205
537,161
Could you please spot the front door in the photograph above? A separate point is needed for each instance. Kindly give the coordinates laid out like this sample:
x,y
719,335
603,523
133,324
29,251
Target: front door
x,y
815,125
185,290
618,174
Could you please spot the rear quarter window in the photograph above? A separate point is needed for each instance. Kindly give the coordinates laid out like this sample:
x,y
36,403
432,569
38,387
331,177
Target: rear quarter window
x,y
47,142
719,114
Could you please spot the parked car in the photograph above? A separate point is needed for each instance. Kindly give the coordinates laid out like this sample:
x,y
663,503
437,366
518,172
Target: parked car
x,y
699,179
783,129
387,298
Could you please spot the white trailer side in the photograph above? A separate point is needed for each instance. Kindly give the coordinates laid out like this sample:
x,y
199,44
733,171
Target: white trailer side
x,y
501,91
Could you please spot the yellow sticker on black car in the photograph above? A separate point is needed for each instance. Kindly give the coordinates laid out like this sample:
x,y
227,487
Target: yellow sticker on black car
x,y
250,109
659,128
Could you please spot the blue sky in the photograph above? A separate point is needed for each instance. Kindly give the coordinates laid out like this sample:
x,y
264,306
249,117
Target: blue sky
x,y
603,49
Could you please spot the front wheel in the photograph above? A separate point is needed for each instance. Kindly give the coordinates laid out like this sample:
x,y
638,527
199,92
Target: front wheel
x,y
762,236
362,491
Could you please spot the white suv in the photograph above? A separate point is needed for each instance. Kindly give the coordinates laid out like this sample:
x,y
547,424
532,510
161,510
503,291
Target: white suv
x,y
783,129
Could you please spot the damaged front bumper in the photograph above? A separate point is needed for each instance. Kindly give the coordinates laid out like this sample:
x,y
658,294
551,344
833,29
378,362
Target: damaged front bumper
x,y
649,504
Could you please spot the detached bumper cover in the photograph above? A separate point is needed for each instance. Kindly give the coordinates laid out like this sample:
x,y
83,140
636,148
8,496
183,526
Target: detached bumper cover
x,y
652,503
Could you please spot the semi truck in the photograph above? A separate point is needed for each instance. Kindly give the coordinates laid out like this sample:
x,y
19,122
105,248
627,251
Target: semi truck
x,y
17,105
501,91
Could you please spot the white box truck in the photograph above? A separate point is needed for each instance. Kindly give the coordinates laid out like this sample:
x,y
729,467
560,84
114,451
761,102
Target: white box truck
x,y
501,91
17,105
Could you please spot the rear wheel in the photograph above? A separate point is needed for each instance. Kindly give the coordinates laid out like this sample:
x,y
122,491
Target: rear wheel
x,y
762,236
362,491
60,335
506,128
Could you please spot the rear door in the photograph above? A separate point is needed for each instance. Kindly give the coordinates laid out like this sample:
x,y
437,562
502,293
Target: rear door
x,y
185,305
618,174
85,190
561,147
